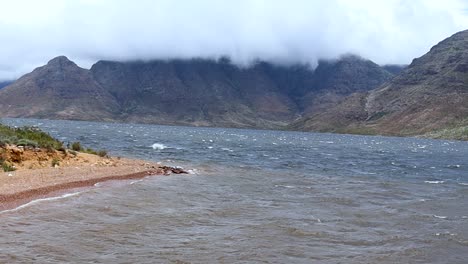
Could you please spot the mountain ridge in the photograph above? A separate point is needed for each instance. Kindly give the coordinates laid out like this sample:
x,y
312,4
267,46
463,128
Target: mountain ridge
x,y
430,95
196,92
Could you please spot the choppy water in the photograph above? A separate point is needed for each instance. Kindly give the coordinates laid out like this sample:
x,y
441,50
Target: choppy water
x,y
256,196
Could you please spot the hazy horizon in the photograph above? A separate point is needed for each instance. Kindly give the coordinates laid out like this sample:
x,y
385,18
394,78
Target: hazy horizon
x,y
284,32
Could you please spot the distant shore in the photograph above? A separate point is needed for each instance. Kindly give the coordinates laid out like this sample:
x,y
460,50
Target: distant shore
x,y
31,182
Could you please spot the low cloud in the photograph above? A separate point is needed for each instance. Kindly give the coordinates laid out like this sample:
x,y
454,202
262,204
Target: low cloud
x,y
290,31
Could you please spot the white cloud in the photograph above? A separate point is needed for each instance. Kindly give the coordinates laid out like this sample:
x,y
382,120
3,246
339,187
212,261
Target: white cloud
x,y
392,31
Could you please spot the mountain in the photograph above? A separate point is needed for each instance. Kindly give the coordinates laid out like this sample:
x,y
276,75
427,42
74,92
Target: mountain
x,y
334,80
58,90
394,68
196,92
429,96
5,83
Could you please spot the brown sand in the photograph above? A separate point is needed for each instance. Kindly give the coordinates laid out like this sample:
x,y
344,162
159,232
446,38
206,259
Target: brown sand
x,y
27,183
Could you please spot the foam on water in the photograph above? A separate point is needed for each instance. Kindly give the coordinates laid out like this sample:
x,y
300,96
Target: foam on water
x,y
434,182
284,186
136,181
158,146
33,202
440,216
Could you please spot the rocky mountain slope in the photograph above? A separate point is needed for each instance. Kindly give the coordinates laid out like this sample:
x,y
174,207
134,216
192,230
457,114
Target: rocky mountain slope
x,y
430,95
195,92
334,80
59,90
188,92
5,83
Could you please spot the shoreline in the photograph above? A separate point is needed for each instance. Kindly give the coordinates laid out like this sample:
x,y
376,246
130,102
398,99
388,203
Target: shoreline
x,y
35,180
15,200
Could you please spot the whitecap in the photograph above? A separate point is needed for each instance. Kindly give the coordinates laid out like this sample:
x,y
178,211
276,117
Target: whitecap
x,y
463,183
434,182
192,171
284,186
440,216
158,146
227,149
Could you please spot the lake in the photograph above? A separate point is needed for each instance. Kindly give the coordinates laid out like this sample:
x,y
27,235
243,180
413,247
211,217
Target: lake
x,y
253,196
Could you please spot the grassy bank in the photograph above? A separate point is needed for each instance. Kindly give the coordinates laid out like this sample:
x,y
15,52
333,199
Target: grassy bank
x,y
15,141
457,133
28,136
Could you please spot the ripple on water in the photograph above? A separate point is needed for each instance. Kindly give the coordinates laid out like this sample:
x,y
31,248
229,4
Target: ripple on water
x,y
321,198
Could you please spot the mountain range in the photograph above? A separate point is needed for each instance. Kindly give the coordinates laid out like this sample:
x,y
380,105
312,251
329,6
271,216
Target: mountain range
x,y
196,92
347,95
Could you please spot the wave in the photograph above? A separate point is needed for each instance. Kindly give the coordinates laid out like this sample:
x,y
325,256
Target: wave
x,y
192,171
33,202
434,182
159,146
136,181
284,186
440,216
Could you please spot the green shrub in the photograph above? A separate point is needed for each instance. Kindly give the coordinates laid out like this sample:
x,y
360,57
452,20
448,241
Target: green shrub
x,y
34,137
62,149
55,162
102,153
74,153
7,167
76,146
6,140
90,151
10,135
27,143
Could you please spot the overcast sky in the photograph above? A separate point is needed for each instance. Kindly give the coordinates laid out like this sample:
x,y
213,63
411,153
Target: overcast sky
x,y
289,31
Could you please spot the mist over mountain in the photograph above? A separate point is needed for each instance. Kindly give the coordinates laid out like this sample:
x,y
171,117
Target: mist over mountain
x,y
394,68
279,32
429,96
196,92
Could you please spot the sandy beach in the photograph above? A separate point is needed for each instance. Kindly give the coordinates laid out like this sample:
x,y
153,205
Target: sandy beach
x,y
36,178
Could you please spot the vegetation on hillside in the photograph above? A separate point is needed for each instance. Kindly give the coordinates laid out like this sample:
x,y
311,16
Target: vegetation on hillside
x,y
28,136
457,133
33,137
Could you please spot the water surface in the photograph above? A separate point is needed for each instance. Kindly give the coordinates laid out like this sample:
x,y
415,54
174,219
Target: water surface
x,y
254,197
